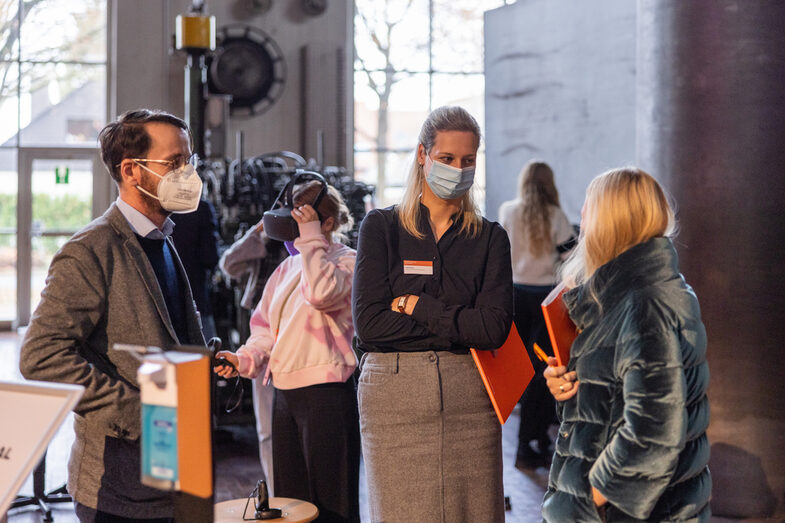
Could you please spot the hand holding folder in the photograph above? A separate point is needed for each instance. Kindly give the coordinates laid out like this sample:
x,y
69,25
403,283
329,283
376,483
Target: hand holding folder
x,y
561,329
562,384
506,372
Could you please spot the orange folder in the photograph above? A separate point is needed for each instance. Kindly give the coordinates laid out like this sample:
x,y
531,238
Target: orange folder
x,y
506,372
561,329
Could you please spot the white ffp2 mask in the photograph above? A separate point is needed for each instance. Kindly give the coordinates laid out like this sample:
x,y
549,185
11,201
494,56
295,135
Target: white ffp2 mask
x,y
179,190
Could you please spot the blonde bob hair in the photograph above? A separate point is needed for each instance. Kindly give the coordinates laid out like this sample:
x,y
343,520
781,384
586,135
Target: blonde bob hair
x,y
623,208
445,118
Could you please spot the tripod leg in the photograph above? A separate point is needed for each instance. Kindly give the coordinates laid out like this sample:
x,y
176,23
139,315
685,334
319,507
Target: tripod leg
x,y
45,510
40,498
39,492
39,478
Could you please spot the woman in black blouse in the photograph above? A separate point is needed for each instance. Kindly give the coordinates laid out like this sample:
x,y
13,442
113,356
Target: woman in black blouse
x,y
432,279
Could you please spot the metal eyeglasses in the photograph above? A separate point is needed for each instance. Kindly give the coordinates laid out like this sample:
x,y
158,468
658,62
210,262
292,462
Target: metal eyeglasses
x,y
177,163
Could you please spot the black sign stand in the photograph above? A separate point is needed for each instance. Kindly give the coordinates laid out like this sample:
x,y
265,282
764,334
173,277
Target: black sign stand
x,y
40,497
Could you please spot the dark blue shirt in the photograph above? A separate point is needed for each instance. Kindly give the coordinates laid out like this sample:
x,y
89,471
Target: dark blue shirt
x,y
160,256
196,239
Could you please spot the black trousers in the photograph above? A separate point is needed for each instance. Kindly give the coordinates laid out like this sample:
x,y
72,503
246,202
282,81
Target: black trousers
x,y
538,408
316,448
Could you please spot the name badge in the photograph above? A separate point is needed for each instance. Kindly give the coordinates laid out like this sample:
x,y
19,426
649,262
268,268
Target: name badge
x,y
417,267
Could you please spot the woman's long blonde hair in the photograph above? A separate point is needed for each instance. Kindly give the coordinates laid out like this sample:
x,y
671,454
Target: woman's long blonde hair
x,y
624,207
537,191
445,118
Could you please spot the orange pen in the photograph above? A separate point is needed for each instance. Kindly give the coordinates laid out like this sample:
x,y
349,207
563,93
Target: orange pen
x,y
540,353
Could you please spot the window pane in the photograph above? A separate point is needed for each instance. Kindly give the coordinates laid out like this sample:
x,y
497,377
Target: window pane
x,y
397,29
365,167
366,110
9,103
466,90
396,170
65,31
62,104
458,34
62,195
8,192
397,167
456,47
408,108
367,85
62,203
9,10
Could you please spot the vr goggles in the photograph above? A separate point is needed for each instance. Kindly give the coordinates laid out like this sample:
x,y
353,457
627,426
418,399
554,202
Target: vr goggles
x,y
278,222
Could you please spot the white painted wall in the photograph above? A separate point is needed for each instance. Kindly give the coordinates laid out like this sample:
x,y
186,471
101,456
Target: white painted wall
x,y
560,87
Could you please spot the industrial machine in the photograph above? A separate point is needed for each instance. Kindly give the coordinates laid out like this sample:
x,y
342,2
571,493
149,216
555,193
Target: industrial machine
x,y
238,71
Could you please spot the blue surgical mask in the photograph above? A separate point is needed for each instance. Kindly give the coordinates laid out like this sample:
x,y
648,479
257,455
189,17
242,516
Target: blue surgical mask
x,y
448,182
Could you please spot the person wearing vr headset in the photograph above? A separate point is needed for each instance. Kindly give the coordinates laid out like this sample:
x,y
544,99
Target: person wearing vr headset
x,y
433,279
119,280
301,338
249,261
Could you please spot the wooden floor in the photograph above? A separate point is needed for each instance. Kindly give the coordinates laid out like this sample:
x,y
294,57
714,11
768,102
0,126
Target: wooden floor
x,y
238,469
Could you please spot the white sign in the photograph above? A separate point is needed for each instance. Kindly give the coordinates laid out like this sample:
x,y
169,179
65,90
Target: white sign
x,y
31,412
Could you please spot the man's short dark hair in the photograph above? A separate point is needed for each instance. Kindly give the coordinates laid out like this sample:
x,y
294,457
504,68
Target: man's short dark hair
x,y
127,137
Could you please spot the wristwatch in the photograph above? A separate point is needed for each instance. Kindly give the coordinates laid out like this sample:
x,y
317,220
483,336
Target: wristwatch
x,y
402,302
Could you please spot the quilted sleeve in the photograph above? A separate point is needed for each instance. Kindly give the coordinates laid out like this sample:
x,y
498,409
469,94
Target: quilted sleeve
x,y
635,468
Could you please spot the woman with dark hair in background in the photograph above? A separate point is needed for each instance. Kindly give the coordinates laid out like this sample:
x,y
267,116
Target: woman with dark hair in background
x,y
632,443
539,234
432,279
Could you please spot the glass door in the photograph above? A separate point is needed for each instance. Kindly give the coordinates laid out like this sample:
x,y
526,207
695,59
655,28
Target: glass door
x,y
60,191
9,181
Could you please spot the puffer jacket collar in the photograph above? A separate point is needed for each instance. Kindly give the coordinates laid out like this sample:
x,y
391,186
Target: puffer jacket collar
x,y
637,267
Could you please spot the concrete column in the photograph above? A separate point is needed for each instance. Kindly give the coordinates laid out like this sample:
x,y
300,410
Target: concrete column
x,y
711,126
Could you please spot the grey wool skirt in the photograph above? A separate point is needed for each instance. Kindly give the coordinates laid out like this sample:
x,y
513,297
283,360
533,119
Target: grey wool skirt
x,y
430,439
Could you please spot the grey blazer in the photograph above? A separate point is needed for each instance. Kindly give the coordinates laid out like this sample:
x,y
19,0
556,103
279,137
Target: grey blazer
x,y
102,290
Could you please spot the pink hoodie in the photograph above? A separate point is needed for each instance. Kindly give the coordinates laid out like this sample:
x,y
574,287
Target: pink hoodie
x,y
301,330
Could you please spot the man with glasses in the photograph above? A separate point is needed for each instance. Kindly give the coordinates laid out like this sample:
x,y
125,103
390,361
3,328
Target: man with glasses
x,y
119,280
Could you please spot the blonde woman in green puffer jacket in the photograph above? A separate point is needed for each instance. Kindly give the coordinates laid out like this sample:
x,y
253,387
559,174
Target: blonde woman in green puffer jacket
x,y
632,400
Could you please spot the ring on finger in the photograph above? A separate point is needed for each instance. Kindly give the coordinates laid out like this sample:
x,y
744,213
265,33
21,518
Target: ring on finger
x,y
561,387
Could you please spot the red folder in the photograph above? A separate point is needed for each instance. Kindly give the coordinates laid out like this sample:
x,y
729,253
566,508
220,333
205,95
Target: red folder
x,y
561,329
506,372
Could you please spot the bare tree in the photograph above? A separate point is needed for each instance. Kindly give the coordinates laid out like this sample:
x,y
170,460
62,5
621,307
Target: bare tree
x,y
89,24
380,29
10,24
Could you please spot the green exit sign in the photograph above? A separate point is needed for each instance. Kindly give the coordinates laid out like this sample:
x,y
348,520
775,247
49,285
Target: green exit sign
x,y
61,174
